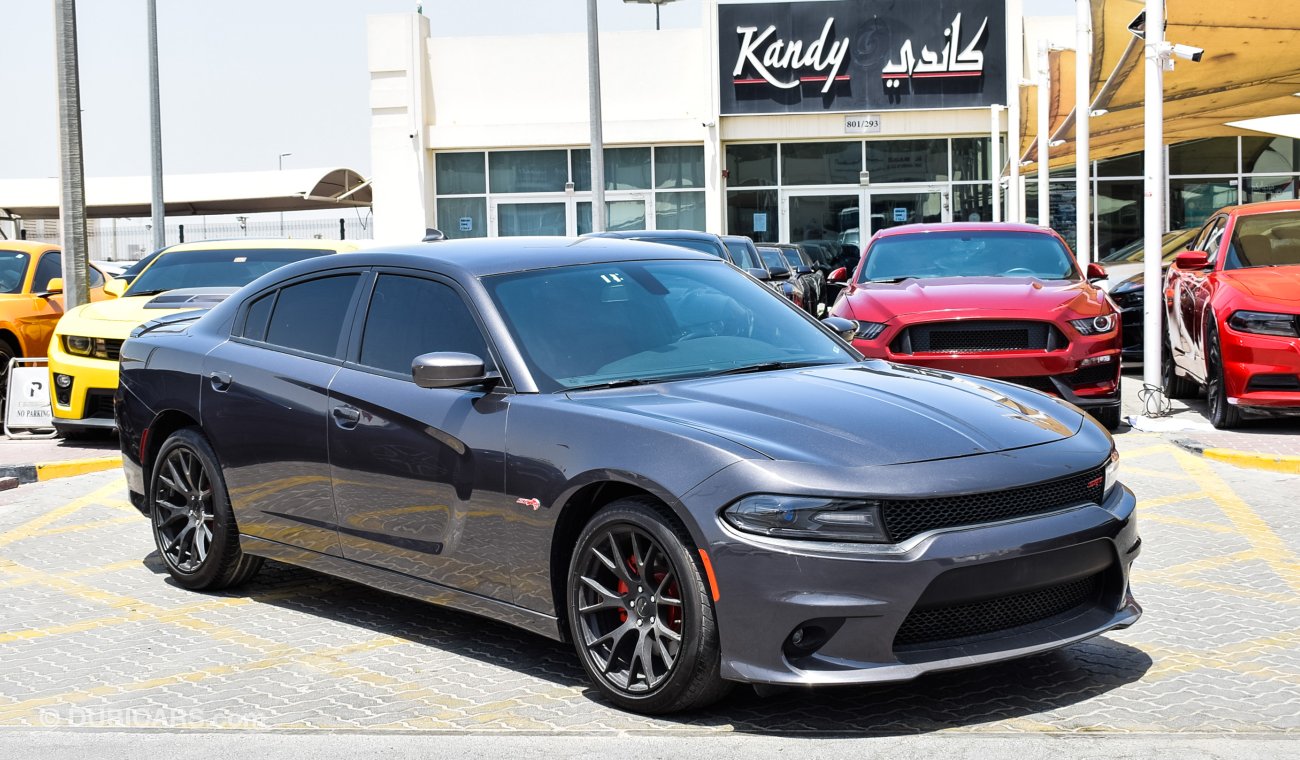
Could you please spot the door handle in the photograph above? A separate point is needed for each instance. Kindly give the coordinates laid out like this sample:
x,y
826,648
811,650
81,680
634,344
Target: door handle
x,y
346,417
220,381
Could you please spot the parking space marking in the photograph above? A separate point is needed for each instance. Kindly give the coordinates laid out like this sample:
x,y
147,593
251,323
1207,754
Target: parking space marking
x,y
31,527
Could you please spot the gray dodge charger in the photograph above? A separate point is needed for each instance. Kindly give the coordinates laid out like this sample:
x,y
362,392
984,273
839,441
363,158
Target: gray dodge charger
x,y
638,449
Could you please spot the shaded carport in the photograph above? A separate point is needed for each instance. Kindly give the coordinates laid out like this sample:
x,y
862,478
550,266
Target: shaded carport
x,y
194,194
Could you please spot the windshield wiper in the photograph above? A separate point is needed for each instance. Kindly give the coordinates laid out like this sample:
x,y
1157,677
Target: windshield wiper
x,y
890,280
770,366
624,383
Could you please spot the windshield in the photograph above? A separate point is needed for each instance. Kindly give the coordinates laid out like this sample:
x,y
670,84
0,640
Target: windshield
x,y
932,255
743,254
225,268
1170,245
13,270
1265,240
772,258
647,321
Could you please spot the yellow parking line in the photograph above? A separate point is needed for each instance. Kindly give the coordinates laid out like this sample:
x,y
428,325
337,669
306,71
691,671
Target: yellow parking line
x,y
1146,451
95,525
1168,663
1185,523
30,527
72,467
1164,501
1270,462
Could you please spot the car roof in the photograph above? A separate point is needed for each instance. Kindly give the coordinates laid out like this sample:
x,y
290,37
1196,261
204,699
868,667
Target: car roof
x,y
1262,207
253,243
912,229
490,256
27,246
651,234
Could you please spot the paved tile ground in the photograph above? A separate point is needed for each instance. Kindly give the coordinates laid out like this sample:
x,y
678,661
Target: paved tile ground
x,y
92,635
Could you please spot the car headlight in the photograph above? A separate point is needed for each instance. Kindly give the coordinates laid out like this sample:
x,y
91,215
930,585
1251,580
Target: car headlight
x,y
82,346
75,344
869,330
1112,473
807,517
1265,323
1098,325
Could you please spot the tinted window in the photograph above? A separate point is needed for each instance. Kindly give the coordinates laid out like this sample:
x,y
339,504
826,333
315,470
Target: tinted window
x,y
742,255
309,316
703,246
231,267
13,267
410,316
96,277
259,314
51,266
968,254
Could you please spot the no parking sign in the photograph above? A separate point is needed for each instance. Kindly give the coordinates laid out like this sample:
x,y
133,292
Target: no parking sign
x,y
27,397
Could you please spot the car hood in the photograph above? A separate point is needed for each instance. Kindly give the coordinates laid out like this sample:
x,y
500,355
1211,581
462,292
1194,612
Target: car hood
x,y
879,301
1272,283
872,413
116,317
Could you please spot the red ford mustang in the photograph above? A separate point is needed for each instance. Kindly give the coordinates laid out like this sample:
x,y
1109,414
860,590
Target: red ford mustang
x,y
1232,313
1005,301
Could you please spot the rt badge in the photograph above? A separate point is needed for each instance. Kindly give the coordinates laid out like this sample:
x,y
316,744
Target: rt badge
x,y
536,504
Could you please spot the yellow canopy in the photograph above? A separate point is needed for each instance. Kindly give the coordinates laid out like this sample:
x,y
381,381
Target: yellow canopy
x,y
1249,70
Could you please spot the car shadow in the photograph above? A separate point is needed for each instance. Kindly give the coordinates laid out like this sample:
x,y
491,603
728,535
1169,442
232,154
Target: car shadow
x,y
935,702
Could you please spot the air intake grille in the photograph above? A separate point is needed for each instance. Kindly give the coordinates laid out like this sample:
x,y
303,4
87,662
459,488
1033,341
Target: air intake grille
x,y
978,336
906,518
964,621
113,348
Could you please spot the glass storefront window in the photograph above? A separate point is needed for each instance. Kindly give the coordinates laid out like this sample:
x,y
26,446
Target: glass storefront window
x,y
460,173
528,171
834,163
970,159
1192,201
625,169
515,219
619,215
679,211
972,203
1213,155
1061,206
454,214
1269,189
753,213
679,166
1121,166
1268,155
751,165
907,160
1118,210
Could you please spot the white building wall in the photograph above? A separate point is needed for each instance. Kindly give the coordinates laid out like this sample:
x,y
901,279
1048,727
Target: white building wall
x,y
400,99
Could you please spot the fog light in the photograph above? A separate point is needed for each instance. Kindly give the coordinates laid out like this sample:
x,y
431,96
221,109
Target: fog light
x,y
62,389
810,635
63,381
1091,360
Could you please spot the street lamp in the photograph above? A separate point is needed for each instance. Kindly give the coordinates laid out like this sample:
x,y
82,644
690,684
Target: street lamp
x,y
656,4
280,167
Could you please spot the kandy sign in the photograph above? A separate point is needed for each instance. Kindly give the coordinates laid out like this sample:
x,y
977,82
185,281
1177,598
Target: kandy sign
x,y
857,55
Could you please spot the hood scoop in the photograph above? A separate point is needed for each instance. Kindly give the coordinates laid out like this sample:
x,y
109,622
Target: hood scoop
x,y
190,298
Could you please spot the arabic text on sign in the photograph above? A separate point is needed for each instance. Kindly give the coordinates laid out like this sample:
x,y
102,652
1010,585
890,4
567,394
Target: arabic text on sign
x,y
947,63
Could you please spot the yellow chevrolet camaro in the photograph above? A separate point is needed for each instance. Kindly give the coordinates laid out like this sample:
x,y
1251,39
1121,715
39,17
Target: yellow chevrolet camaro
x,y
84,349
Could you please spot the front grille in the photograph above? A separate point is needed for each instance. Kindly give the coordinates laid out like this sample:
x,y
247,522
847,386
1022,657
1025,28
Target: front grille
x,y
1095,374
1273,383
966,621
113,348
99,404
978,336
910,517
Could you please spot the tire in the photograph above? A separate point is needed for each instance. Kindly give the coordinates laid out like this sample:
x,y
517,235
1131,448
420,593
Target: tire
x,y
1223,416
195,534
651,666
1108,416
1175,386
7,352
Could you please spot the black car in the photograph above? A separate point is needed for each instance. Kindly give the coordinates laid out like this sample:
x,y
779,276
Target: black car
x,y
704,242
594,440
783,277
804,267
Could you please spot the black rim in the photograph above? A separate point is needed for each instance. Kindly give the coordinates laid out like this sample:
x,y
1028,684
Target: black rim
x,y
629,609
184,519
1214,381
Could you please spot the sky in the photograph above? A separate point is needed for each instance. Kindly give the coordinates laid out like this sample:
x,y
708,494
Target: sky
x,y
243,81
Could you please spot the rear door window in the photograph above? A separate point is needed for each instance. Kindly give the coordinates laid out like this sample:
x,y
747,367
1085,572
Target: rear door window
x,y
310,316
409,316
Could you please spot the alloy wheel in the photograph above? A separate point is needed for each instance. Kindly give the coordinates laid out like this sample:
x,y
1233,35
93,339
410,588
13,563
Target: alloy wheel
x,y
184,518
630,610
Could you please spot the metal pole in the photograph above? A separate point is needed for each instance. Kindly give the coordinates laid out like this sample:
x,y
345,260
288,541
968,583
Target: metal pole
x,y
1082,138
1044,103
72,199
1154,195
597,136
280,167
995,160
1015,74
155,133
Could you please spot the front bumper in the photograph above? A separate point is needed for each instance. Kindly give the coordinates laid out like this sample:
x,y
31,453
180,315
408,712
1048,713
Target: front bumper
x,y
88,403
1262,372
862,599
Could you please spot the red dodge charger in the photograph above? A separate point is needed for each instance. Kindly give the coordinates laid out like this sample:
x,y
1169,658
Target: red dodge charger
x,y
1232,313
1005,301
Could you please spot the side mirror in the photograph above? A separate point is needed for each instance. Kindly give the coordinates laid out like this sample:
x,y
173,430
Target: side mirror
x,y
115,287
762,275
845,328
1190,261
839,275
779,273
448,369
53,287
1096,272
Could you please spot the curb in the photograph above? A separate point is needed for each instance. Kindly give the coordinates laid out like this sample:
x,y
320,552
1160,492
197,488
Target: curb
x,y
33,473
1269,462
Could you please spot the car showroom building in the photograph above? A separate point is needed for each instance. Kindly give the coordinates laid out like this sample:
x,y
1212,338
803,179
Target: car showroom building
x,y
790,121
